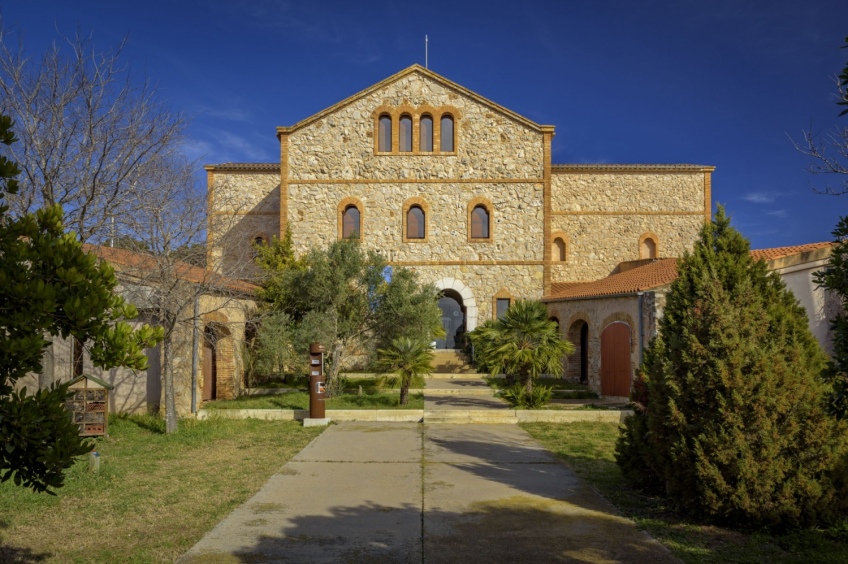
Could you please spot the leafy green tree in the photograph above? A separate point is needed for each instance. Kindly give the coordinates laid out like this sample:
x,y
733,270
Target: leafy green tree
x,y
523,344
835,279
406,309
339,297
273,350
50,287
410,359
731,421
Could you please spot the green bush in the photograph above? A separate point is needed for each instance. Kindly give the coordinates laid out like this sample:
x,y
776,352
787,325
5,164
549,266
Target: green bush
x,y
731,421
517,396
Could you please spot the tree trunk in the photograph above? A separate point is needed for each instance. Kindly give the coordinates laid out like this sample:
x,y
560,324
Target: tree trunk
x,y
528,384
404,390
332,376
170,401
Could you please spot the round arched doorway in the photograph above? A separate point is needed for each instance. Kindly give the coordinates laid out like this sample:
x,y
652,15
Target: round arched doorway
x,y
453,319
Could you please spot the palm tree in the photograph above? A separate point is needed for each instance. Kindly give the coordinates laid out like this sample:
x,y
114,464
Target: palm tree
x,y
409,358
524,343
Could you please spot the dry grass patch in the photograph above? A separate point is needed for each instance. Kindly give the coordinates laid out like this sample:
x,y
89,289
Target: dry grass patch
x,y
155,495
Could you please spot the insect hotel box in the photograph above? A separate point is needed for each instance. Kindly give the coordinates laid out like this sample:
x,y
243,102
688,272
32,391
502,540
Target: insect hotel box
x,y
88,404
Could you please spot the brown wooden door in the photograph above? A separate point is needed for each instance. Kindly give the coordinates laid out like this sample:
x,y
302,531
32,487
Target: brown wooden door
x,y
209,368
615,360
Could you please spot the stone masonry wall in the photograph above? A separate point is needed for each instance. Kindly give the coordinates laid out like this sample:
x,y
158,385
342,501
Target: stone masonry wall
x,y
604,214
489,144
243,206
516,223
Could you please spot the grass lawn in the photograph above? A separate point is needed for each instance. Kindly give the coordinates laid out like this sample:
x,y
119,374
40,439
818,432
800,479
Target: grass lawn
x,y
588,448
300,400
155,495
561,388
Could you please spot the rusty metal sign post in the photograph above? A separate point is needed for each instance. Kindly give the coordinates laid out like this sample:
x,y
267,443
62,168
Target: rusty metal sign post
x,y
317,387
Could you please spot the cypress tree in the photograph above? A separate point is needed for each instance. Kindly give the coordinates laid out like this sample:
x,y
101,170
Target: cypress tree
x,y
731,421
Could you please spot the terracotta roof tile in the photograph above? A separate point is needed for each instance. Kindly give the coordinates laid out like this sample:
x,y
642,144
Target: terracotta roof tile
x,y
123,259
658,273
781,252
275,167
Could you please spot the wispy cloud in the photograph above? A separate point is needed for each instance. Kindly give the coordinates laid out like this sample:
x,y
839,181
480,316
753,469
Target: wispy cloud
x,y
759,197
777,213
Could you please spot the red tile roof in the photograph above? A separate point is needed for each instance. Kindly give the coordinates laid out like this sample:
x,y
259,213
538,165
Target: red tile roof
x,y
123,259
781,252
653,275
658,273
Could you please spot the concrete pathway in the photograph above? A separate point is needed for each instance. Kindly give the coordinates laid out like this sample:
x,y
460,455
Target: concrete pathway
x,y
381,492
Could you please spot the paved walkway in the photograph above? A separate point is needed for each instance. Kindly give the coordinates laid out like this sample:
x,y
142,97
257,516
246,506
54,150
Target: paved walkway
x,y
382,492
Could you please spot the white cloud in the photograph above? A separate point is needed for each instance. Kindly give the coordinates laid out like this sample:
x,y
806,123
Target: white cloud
x,y
759,197
777,213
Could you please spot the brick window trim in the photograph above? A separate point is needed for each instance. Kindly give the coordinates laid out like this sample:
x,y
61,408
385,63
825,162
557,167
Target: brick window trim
x,y
645,236
425,207
502,294
343,205
487,204
416,112
565,240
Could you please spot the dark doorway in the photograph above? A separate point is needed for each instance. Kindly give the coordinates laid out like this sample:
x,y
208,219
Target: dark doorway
x,y
210,369
584,354
453,320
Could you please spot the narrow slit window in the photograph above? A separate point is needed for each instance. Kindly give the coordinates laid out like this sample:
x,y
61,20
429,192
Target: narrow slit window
x,y
405,134
425,127
385,134
447,140
649,249
415,223
350,223
502,305
479,223
558,250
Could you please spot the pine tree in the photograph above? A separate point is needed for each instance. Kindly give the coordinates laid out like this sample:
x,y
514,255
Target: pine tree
x,y
835,279
731,420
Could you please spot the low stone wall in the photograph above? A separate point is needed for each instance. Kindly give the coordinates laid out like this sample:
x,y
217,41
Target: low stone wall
x,y
415,415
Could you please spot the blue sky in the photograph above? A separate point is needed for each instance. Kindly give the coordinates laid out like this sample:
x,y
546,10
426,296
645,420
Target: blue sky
x,y
723,83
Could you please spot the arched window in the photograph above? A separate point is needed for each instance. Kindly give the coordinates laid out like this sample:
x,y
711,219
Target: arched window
x,y
480,223
558,250
385,134
425,127
405,134
415,223
350,223
648,248
446,137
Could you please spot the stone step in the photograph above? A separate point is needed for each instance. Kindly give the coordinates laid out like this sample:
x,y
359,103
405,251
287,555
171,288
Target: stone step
x,y
458,392
468,416
455,375
451,361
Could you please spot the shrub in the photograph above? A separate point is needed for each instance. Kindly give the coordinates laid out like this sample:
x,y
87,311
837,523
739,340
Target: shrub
x,y
518,396
730,418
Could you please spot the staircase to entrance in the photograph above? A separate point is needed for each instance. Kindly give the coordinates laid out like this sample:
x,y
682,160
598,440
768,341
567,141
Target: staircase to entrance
x,y
456,393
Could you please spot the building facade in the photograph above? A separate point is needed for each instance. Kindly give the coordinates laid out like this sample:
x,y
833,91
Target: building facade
x,y
437,178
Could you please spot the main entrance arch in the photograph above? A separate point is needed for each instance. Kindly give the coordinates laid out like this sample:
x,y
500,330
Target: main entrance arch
x,y
459,311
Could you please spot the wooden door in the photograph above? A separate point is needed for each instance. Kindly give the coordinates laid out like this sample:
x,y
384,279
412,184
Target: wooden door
x,y
615,360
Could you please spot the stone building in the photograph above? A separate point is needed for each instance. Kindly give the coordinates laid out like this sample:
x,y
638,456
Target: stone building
x,y
437,178
206,343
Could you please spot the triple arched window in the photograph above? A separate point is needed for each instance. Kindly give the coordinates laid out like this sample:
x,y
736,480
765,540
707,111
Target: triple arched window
x,y
418,131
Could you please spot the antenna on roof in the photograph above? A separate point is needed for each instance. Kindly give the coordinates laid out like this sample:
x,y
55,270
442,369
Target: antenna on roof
x,y
426,52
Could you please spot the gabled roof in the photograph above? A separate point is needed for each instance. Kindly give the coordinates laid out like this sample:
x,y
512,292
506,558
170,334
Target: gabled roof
x,y
415,69
658,273
123,260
